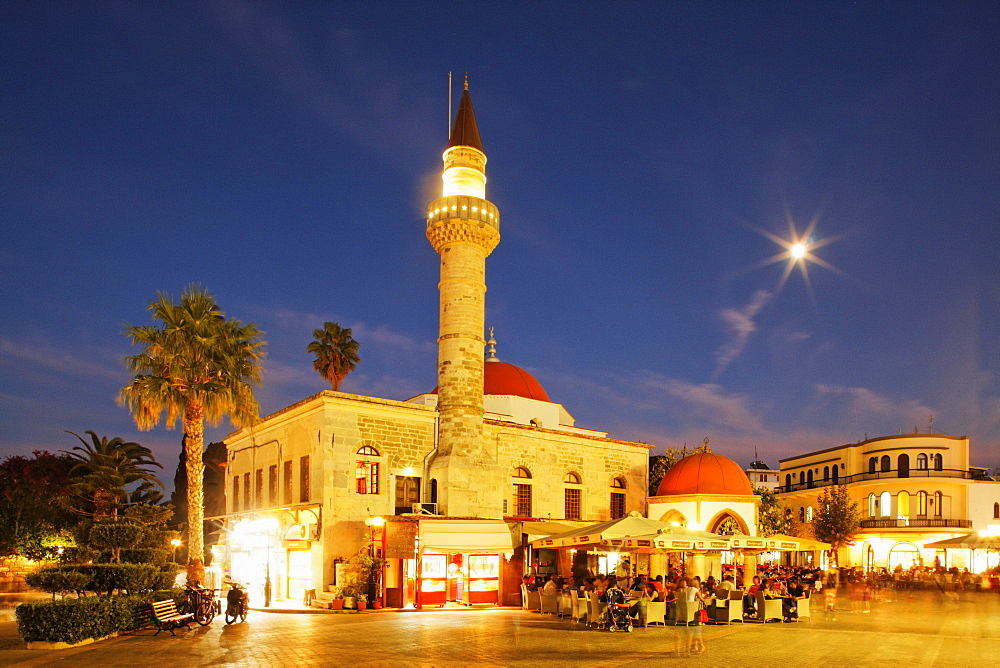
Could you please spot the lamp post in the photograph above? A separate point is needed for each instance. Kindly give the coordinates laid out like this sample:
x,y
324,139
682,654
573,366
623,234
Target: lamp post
x,y
176,543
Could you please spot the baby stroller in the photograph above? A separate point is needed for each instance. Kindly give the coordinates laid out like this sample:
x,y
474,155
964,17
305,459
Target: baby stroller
x,y
618,617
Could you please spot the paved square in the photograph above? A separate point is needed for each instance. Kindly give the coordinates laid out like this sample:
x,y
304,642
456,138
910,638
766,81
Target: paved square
x,y
904,628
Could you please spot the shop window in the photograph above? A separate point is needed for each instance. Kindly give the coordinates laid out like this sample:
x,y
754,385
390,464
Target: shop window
x,y
938,463
235,500
572,503
938,504
246,491
288,483
617,505
886,464
885,503
366,472
872,464
272,485
304,492
921,462
921,504
367,476
903,464
258,488
522,500
872,505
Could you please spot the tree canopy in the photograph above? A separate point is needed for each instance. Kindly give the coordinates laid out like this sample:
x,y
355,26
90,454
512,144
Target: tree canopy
x,y
771,516
837,519
200,366
110,475
34,522
336,352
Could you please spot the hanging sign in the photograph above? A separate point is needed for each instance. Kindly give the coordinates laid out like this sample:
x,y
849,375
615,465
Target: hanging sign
x,y
400,540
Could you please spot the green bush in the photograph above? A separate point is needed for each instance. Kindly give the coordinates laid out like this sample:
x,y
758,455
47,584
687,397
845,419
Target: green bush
x,y
146,555
167,575
133,578
75,619
58,580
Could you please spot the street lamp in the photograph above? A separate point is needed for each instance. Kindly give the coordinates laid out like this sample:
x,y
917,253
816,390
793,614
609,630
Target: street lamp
x,y
176,542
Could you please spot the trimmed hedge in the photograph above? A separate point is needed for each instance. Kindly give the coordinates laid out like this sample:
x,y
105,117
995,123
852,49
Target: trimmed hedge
x,y
73,620
105,578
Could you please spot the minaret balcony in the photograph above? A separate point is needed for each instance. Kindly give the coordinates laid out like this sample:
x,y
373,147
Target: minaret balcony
x,y
463,207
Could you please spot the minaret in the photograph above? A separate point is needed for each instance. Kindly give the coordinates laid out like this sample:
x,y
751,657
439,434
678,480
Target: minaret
x,y
463,227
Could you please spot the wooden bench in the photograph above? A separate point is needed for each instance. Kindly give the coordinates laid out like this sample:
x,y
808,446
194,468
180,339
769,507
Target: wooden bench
x,y
167,618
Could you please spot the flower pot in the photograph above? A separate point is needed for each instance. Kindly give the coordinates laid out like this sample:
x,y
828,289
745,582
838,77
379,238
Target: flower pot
x,y
376,605
348,603
362,605
337,604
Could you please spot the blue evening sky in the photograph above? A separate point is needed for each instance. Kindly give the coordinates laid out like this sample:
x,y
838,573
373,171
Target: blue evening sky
x,y
644,156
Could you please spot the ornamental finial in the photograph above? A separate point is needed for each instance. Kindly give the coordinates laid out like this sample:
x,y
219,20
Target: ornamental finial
x,y
492,343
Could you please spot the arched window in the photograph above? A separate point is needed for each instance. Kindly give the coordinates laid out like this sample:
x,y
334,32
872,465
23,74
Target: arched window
x,y
872,463
938,462
871,505
522,492
802,514
921,504
886,463
996,511
921,462
788,482
938,504
826,473
809,514
571,496
903,464
809,479
903,504
617,498
836,474
885,504
366,472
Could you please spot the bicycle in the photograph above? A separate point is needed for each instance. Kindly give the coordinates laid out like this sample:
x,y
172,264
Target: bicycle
x,y
201,603
237,603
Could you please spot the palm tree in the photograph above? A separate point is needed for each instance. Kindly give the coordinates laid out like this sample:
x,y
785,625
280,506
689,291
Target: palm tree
x,y
336,352
106,473
198,366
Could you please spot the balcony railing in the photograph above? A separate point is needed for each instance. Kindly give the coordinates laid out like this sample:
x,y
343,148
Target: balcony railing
x,y
878,475
921,523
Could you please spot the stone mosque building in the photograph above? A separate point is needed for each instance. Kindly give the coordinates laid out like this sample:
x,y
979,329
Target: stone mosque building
x,y
449,485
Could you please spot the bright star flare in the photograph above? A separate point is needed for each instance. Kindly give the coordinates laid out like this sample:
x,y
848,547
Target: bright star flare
x,y
798,251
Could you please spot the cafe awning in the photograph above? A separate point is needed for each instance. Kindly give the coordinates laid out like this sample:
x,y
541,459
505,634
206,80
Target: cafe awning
x,y
679,539
627,531
464,535
974,541
777,542
535,530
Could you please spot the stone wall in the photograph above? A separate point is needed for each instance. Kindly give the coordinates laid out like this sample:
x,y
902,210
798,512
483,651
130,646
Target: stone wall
x,y
12,573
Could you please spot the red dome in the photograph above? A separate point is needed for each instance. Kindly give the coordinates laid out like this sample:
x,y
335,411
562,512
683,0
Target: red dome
x,y
705,473
507,379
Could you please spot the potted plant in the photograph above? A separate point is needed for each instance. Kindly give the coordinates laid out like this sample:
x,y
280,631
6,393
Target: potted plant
x,y
338,598
362,601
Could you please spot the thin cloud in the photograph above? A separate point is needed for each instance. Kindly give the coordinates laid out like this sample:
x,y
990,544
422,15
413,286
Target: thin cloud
x,y
864,406
740,325
60,360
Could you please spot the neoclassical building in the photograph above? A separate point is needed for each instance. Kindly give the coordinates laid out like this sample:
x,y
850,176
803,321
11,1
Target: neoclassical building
x,y
440,484
912,490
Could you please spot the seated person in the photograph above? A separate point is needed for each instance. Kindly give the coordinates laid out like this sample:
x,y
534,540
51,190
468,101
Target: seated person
x,y
789,608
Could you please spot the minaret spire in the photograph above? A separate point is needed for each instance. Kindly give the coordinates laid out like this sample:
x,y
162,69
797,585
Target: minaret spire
x,y
464,228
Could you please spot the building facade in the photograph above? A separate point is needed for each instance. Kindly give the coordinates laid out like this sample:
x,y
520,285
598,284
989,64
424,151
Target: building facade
x,y
439,484
911,490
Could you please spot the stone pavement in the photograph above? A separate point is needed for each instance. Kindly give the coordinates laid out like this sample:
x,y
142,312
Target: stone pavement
x,y
903,628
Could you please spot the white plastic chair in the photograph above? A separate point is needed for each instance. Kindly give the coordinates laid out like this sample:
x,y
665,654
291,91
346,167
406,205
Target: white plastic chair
x,y
655,613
